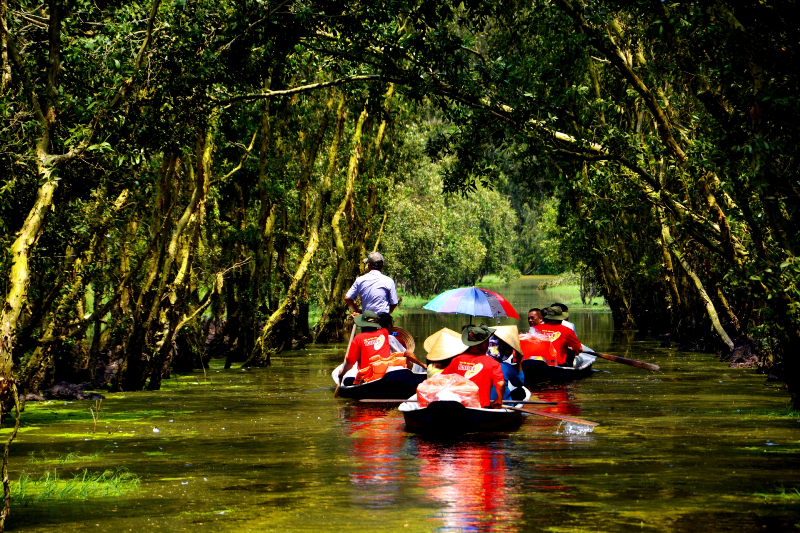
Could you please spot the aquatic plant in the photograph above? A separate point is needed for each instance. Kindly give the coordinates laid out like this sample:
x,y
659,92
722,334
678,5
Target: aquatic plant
x,y
82,485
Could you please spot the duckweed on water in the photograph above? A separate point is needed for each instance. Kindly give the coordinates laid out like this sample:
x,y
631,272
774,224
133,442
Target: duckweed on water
x,y
83,485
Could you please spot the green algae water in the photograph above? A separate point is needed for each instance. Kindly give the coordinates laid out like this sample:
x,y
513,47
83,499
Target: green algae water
x,y
695,447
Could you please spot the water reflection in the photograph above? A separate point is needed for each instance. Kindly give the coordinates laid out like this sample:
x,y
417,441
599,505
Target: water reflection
x,y
377,440
473,481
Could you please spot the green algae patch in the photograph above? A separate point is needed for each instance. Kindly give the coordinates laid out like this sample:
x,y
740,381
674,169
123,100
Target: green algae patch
x,y
6,431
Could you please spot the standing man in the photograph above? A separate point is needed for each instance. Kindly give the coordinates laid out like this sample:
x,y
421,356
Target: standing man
x,y
377,291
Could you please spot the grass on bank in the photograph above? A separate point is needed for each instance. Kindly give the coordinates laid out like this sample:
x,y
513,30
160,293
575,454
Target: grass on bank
x,y
81,486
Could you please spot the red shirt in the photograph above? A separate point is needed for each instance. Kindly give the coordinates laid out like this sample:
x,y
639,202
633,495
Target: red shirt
x,y
482,370
369,344
561,337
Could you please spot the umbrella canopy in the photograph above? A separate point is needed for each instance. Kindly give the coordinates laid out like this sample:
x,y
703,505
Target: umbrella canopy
x,y
472,301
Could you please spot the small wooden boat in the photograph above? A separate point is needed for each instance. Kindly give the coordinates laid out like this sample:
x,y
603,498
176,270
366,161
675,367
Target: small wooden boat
x,y
400,383
451,417
537,371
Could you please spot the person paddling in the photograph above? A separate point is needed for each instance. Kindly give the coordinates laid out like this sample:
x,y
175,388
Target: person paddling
x,y
568,324
376,290
562,338
478,367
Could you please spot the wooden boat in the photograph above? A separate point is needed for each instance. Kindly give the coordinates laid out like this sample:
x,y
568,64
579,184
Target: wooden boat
x,y
451,417
537,371
400,383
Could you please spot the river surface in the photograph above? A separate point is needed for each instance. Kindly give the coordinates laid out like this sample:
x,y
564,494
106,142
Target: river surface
x,y
695,447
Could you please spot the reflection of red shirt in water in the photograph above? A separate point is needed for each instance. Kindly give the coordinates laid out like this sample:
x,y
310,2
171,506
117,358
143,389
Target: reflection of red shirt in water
x,y
369,344
561,337
480,369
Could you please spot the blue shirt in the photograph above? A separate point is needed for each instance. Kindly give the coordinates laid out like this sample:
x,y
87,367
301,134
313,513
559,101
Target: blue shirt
x,y
377,291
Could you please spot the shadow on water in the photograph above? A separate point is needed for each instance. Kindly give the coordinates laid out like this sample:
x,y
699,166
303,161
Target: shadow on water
x,y
697,446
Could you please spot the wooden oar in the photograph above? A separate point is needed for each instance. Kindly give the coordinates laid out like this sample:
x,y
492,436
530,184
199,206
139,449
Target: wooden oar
x,y
529,402
551,415
341,378
624,361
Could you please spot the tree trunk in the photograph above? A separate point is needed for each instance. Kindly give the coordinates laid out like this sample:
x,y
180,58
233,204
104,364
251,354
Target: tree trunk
x,y
333,316
709,305
269,343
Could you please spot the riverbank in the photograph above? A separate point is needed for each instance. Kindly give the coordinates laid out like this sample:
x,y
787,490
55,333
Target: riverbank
x,y
568,294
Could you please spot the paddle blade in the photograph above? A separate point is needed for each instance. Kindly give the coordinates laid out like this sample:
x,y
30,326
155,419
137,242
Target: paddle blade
x,y
557,417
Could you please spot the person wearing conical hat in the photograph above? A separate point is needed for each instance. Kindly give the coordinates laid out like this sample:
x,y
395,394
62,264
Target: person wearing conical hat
x,y
441,351
562,338
505,348
476,366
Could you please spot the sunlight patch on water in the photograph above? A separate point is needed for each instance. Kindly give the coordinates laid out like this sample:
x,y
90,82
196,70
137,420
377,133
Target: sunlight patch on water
x,y
569,428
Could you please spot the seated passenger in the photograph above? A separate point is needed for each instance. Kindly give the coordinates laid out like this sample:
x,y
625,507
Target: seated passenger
x,y
569,324
566,323
535,317
562,338
504,347
373,340
439,363
478,367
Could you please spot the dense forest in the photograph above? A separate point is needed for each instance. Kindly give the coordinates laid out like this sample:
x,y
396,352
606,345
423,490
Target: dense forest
x,y
173,167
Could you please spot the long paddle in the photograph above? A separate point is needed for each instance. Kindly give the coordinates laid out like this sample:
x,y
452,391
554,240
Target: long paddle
x,y
624,361
341,378
551,415
415,401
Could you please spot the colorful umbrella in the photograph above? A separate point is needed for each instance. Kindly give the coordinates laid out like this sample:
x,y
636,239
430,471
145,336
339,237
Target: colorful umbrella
x,y
472,301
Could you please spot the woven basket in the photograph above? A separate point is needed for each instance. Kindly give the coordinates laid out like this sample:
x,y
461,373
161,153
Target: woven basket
x,y
406,338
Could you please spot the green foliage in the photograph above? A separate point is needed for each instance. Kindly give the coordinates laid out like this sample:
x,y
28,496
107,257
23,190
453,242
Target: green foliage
x,y
435,242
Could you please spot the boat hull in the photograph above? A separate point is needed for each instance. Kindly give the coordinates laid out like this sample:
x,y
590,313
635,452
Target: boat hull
x,y
452,417
537,371
395,384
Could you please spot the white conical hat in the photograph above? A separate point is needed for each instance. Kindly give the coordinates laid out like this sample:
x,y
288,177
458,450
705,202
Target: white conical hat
x,y
446,347
510,334
430,341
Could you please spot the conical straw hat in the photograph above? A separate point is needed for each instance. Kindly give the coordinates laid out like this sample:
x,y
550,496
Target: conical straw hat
x,y
445,347
430,341
510,334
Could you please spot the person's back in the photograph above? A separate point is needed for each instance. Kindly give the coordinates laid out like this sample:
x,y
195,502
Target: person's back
x,y
480,369
560,336
377,291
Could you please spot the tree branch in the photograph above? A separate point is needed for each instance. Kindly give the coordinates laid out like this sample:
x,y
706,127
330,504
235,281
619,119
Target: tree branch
x,y
304,88
614,55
